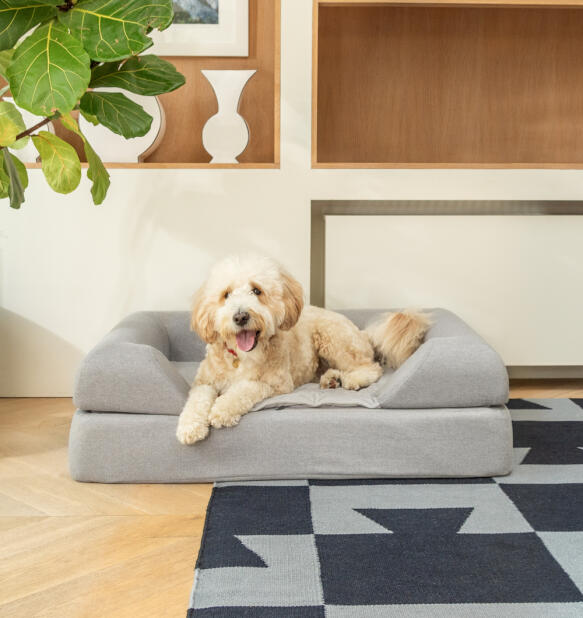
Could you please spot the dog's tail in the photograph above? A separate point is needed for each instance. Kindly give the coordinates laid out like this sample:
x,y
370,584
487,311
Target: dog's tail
x,y
395,336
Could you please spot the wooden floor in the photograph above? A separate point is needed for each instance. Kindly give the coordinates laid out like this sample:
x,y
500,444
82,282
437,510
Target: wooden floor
x,y
71,550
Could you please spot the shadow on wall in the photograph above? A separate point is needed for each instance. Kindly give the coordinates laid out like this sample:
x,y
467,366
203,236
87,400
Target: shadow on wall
x,y
173,247
25,348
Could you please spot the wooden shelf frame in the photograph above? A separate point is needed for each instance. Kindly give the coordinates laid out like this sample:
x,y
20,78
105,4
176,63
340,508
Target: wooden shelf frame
x,y
177,166
456,4
551,4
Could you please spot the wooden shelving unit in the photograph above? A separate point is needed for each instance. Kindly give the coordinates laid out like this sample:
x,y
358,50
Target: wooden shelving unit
x,y
188,108
447,84
191,106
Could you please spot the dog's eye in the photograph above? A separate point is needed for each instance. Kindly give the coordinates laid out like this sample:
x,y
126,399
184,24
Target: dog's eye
x,y
256,291
226,295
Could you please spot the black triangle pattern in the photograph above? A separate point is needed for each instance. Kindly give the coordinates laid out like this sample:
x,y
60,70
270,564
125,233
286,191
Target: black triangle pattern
x,y
426,522
525,404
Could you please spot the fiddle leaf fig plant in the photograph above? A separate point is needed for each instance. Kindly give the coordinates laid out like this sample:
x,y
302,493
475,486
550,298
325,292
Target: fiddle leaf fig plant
x,y
55,56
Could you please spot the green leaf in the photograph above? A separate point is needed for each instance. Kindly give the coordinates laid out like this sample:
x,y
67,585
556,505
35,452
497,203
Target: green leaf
x,y
22,173
115,29
17,176
60,163
96,171
11,123
5,60
146,75
4,178
49,72
17,17
90,118
98,175
116,112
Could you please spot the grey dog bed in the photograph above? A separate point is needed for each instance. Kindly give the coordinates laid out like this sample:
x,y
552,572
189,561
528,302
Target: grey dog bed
x,y
441,414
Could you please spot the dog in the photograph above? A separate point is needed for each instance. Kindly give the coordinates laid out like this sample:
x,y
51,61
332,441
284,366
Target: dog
x,y
262,341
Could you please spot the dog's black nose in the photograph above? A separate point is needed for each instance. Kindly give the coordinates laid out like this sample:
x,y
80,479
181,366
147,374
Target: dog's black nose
x,y
241,318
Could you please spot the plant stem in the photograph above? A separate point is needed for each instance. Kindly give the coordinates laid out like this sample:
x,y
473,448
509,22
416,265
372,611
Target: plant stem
x,y
66,6
33,129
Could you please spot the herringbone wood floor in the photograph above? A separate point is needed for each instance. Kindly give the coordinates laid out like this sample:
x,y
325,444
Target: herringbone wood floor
x,y
76,550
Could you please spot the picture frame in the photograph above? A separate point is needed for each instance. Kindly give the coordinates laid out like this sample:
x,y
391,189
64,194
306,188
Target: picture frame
x,y
228,37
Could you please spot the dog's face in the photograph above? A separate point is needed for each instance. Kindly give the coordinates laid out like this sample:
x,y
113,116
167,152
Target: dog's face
x,y
245,301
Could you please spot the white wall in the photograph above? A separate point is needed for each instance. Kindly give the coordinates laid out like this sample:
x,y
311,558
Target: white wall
x,y
69,270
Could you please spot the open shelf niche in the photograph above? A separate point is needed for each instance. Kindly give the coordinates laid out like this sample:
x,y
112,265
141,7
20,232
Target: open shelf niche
x,y
188,108
472,83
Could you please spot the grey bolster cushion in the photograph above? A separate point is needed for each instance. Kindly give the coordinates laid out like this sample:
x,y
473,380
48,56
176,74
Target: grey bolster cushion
x,y
448,372
137,368
129,371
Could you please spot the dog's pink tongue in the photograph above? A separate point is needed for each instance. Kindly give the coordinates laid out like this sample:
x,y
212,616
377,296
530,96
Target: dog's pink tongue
x,y
245,340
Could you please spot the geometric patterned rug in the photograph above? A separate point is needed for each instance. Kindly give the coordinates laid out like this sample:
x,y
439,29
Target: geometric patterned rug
x,y
508,546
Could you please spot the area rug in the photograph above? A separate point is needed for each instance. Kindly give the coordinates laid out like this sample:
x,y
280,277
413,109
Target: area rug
x,y
508,546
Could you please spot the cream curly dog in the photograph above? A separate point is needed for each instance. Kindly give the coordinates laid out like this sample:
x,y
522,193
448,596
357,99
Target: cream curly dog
x,y
263,342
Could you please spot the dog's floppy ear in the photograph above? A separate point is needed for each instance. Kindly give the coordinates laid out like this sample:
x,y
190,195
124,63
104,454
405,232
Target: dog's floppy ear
x,y
293,300
202,320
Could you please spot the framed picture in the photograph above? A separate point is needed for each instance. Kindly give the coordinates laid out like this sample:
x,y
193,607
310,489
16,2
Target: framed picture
x,y
205,28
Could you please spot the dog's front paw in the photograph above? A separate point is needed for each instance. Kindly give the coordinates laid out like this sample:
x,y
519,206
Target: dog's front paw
x,y
191,432
331,379
221,416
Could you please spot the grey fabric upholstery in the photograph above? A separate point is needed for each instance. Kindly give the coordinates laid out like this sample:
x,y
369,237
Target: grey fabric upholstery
x,y
447,372
185,346
130,370
146,365
295,443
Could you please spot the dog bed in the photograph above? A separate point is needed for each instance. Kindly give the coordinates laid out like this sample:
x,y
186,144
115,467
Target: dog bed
x,y
441,414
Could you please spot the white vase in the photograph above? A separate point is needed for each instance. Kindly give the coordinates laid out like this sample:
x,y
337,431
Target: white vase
x,y
226,134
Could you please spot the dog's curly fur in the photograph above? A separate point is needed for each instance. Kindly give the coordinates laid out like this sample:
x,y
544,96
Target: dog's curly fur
x,y
292,344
